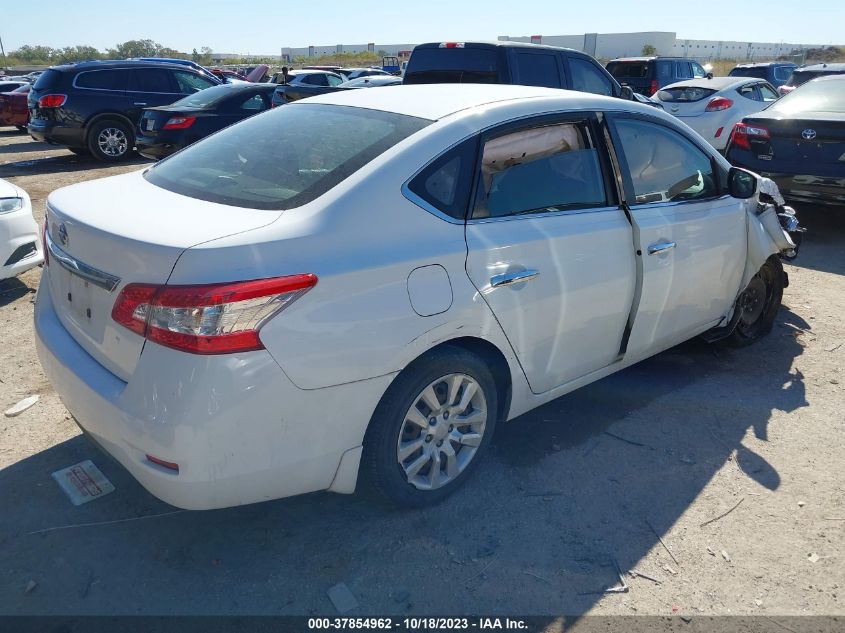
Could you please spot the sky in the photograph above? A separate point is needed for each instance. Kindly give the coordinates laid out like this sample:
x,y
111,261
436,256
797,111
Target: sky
x,y
265,26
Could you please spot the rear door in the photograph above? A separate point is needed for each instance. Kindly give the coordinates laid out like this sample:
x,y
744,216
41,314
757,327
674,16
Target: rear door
x,y
150,87
549,248
690,235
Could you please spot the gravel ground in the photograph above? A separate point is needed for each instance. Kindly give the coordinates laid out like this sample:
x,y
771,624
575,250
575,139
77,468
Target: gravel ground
x,y
624,472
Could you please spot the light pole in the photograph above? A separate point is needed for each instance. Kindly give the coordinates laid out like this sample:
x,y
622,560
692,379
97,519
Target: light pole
x,y
3,51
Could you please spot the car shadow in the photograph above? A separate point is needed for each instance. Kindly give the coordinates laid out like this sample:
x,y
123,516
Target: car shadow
x,y
25,145
572,490
12,289
63,163
825,228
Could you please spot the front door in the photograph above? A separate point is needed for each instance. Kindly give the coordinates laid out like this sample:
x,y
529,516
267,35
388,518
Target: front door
x,y
691,235
549,248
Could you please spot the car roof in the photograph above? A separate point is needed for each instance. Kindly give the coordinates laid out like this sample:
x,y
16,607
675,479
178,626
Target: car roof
x,y
436,101
500,44
717,83
309,71
823,67
119,63
764,64
646,59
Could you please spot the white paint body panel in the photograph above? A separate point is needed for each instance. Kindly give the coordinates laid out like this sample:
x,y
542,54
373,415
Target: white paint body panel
x,y
18,228
291,418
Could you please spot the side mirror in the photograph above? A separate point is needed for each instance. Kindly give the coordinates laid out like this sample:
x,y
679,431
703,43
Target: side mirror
x,y
741,184
626,93
708,76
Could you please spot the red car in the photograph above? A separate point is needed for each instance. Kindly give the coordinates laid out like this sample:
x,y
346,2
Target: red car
x,y
13,108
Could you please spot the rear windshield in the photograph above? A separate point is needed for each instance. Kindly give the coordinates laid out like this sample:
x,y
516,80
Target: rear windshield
x,y
47,79
206,97
629,70
284,158
816,96
800,77
684,94
453,65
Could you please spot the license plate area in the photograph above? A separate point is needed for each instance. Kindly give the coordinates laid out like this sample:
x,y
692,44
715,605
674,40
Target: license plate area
x,y
149,124
77,300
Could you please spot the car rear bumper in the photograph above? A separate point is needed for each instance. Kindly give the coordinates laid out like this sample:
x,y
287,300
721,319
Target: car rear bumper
x,y
56,133
239,430
810,189
151,147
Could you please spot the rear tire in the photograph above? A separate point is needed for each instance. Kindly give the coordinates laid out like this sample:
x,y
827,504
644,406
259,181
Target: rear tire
x,y
759,304
431,428
110,140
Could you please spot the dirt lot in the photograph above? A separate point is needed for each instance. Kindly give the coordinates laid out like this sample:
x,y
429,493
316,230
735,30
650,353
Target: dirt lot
x,y
590,480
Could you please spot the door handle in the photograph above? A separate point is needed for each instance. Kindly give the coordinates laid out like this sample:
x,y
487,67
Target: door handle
x,y
660,247
509,279
139,103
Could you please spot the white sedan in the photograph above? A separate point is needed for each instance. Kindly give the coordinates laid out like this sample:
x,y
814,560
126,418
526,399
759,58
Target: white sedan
x,y
20,245
711,107
369,281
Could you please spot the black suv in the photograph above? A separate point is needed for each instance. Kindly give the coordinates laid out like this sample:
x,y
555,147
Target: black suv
x,y
95,106
509,63
647,75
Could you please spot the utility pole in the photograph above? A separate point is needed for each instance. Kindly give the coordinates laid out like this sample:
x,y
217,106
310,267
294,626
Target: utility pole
x,y
3,51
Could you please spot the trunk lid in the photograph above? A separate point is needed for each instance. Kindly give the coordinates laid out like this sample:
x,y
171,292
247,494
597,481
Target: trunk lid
x,y
117,231
814,142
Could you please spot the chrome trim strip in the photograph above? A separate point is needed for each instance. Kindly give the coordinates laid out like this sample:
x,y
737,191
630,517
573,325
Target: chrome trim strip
x,y
88,273
544,214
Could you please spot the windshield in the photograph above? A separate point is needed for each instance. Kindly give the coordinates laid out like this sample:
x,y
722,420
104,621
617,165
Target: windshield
x,y
800,77
816,96
284,158
758,71
205,98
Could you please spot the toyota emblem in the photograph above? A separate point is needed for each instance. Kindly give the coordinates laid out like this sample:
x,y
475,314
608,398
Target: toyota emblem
x,y
63,234
809,134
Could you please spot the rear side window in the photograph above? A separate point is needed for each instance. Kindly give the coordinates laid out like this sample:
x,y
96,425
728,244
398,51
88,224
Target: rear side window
x,y
587,78
453,65
317,79
151,80
102,80
783,73
663,165
47,80
539,169
446,183
664,70
748,92
537,69
284,158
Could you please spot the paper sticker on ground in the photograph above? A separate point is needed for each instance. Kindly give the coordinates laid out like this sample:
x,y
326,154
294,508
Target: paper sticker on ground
x,y
83,482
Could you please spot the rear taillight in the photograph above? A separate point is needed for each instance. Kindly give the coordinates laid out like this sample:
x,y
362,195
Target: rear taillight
x,y
451,44
743,133
52,101
718,103
653,88
179,122
208,319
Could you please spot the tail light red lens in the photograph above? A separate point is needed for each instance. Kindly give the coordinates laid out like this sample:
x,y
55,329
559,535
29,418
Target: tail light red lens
x,y
718,103
653,88
743,133
52,101
179,122
208,319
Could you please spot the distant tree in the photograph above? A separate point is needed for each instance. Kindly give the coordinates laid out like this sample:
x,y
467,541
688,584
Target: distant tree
x,y
77,54
205,55
195,56
34,54
649,50
142,48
